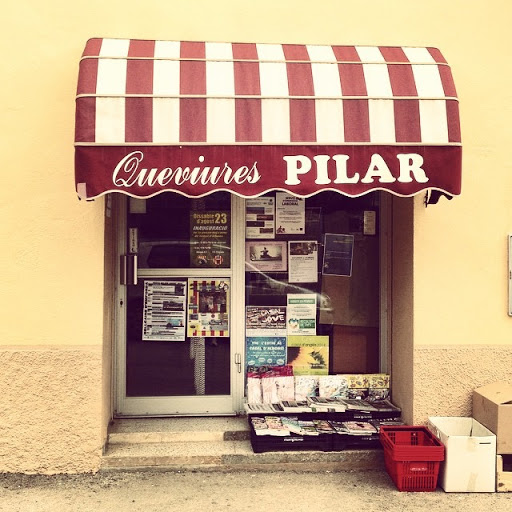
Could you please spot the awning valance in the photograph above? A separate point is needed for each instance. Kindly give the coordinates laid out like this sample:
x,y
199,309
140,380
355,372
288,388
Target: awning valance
x,y
197,117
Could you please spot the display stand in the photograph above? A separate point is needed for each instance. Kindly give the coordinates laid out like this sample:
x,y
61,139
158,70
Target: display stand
x,y
321,442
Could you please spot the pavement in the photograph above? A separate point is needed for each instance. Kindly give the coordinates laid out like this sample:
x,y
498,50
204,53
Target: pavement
x,y
154,490
207,464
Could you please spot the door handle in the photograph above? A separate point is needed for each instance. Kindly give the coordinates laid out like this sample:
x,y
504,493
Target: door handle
x,y
128,273
238,361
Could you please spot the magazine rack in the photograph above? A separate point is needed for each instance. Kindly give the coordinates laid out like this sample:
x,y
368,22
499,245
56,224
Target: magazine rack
x,y
323,441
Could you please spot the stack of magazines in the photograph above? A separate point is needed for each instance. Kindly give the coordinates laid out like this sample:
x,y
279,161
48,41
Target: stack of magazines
x,y
321,404
287,425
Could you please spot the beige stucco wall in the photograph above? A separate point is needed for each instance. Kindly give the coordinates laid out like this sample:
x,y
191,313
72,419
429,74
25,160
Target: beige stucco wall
x,y
53,260
51,409
445,377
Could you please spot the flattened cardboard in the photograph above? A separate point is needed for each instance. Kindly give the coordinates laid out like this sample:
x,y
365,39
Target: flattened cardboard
x,y
355,349
503,473
492,407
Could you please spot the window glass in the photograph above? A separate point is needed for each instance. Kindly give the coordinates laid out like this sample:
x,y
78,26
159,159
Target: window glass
x,y
179,232
345,281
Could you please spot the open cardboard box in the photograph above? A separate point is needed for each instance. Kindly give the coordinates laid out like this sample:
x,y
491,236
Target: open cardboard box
x,y
492,407
470,454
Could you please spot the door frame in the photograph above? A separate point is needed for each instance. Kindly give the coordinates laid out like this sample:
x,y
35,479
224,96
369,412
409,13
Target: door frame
x,y
204,405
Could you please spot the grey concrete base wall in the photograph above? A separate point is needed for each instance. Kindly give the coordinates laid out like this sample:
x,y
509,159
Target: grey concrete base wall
x,y
445,376
50,410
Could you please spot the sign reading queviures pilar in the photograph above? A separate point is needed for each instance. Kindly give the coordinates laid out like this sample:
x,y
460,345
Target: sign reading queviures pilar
x,y
132,171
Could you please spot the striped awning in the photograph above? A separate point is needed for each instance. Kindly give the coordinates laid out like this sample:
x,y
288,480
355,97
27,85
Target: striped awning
x,y
196,117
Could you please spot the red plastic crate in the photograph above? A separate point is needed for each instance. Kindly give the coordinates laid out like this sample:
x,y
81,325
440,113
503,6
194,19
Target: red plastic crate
x,y
412,456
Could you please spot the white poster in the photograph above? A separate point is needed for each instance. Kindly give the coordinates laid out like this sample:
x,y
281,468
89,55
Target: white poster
x,y
301,314
290,214
164,311
260,217
303,262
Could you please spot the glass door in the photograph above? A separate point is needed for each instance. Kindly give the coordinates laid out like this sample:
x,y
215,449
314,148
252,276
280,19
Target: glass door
x,y
177,346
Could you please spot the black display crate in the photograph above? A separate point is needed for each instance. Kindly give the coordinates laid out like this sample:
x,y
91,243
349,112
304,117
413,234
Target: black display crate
x,y
321,442
342,442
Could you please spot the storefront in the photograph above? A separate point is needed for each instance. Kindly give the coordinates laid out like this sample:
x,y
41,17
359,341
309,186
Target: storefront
x,y
240,176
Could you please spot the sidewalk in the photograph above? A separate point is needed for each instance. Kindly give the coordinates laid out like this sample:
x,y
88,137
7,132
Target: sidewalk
x,y
205,491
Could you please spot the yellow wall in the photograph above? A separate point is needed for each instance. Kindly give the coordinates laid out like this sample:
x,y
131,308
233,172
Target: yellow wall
x,y
454,288
461,246
53,244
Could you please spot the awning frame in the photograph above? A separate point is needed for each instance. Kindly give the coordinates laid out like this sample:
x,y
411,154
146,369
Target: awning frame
x,y
170,102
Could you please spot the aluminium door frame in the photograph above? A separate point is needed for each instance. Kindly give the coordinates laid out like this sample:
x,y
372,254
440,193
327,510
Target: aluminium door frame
x,y
204,405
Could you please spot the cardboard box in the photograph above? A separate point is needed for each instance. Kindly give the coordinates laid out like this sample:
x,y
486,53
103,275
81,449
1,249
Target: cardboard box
x,y
355,349
492,407
504,473
470,454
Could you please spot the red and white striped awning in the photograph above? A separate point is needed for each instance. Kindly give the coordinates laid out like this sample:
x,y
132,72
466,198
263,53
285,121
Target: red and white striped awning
x,y
196,117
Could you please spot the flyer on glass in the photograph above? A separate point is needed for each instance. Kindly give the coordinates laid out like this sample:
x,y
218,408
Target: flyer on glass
x,y
265,321
303,262
265,330
338,253
208,308
265,255
163,316
266,350
301,314
260,217
308,355
210,244
290,214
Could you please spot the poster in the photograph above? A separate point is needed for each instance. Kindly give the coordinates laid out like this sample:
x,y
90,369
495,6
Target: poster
x,y
265,331
266,350
265,255
301,314
308,355
338,253
210,237
163,316
265,321
303,262
208,308
290,214
260,217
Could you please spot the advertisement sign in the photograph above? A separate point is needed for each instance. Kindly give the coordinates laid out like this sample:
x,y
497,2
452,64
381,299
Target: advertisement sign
x,y
163,316
259,218
265,321
301,314
309,355
208,308
338,252
210,235
268,256
265,330
290,214
303,262
261,351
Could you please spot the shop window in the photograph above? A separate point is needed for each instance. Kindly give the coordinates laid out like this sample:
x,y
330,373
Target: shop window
x,y
325,248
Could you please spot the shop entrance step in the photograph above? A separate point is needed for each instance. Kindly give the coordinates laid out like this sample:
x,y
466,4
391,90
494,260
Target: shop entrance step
x,y
215,443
